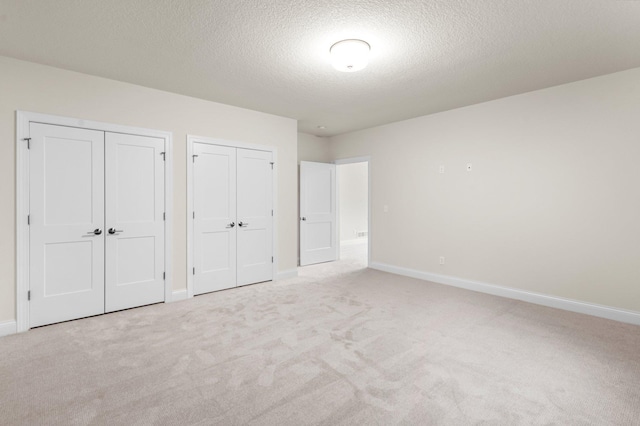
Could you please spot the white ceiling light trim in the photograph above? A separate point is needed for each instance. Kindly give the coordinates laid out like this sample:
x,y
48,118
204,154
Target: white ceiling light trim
x,y
350,55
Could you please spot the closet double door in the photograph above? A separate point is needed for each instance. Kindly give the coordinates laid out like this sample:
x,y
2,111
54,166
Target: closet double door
x,y
232,217
96,223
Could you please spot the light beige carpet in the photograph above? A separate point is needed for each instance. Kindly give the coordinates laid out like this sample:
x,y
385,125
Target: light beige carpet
x,y
339,345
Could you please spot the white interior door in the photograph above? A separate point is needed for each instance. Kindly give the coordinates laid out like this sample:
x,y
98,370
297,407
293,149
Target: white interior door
x,y
214,217
255,216
134,205
318,232
66,235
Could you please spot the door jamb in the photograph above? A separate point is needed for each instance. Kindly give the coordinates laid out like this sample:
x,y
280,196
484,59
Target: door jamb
x,y
365,159
191,139
23,118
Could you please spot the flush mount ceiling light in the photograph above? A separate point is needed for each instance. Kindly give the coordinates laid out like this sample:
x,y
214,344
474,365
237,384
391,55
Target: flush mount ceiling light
x,y
350,55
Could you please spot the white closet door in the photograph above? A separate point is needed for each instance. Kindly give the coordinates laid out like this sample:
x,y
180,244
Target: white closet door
x,y
255,220
318,241
214,223
66,233
134,206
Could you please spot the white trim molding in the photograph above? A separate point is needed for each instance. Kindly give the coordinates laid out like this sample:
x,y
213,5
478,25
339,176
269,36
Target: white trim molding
x,y
289,273
191,139
23,118
179,295
593,309
7,328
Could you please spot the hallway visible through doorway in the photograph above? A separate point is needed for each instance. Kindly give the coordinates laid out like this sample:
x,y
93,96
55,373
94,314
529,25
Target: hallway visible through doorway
x,y
353,210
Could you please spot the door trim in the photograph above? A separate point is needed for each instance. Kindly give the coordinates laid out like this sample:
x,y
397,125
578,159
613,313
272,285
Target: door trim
x,y
191,139
23,118
366,159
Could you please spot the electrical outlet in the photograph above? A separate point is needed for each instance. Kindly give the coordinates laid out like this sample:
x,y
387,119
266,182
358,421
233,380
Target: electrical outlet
x,y
468,167
442,260
442,168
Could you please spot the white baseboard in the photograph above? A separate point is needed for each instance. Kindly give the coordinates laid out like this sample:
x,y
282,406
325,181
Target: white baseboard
x,y
289,273
7,328
601,311
354,242
178,295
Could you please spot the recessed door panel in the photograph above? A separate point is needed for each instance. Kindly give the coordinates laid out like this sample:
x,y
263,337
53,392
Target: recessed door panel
x,y
134,204
255,216
319,185
254,244
68,192
68,268
318,236
136,183
66,233
219,243
214,217
136,260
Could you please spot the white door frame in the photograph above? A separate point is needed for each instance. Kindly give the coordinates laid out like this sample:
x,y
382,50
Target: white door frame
x,y
191,139
351,160
23,118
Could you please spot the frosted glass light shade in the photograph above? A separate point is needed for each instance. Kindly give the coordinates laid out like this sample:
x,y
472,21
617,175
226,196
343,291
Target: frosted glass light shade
x,y
350,55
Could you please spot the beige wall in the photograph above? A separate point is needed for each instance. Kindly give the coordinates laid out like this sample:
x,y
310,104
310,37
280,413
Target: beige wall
x,y
353,195
30,87
552,204
313,148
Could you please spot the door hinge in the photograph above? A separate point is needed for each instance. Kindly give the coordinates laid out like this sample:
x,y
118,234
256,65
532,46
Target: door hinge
x,y
271,259
272,163
28,220
29,295
164,275
164,216
28,142
163,156
193,158
271,212
194,270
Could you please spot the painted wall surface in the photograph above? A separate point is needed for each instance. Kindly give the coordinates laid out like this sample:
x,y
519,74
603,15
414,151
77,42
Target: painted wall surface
x,y
550,206
353,199
313,148
36,88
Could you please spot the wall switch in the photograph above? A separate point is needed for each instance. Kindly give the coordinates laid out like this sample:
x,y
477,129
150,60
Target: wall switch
x,y
442,260
386,208
442,168
468,167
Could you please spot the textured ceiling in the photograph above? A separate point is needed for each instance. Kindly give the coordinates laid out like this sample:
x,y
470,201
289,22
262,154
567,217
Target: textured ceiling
x,y
272,55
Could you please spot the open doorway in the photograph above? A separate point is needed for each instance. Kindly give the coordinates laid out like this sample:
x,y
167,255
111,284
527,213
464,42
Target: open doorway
x,y
353,209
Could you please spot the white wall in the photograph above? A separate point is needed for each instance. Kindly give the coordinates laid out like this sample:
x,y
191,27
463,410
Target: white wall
x,y
353,199
30,87
313,148
551,206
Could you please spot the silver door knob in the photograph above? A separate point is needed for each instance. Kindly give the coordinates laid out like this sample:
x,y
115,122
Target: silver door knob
x,y
96,231
231,225
303,218
113,231
243,224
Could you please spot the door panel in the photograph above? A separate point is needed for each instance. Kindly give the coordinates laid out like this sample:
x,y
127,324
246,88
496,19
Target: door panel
x,y
66,205
255,220
318,241
134,221
214,207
